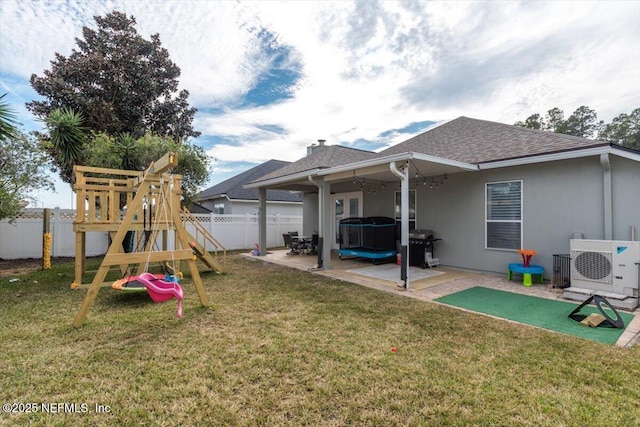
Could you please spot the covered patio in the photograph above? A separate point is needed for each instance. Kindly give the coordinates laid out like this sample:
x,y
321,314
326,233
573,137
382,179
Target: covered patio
x,y
438,282
321,176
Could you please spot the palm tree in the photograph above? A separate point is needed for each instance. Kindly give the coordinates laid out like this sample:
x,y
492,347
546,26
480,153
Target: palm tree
x,y
8,120
126,147
67,139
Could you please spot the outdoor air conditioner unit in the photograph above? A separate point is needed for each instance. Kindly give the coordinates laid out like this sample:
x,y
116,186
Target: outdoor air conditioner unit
x,y
606,266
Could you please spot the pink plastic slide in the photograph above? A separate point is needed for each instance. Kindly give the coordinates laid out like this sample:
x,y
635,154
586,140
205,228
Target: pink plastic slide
x,y
161,290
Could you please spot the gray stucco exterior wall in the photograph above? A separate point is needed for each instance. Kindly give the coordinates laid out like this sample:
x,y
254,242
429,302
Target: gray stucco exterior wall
x,y
626,197
310,214
560,198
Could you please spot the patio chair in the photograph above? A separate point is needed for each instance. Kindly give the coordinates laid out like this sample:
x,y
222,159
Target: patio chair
x,y
289,242
313,245
302,244
298,244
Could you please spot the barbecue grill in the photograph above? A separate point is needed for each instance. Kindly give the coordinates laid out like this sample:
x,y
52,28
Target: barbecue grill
x,y
421,252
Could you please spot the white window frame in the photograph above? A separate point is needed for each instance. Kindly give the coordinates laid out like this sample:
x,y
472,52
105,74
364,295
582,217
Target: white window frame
x,y
346,196
218,208
487,220
397,208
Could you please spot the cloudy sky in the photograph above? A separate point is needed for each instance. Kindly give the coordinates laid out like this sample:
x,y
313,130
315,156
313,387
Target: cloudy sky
x,y
271,77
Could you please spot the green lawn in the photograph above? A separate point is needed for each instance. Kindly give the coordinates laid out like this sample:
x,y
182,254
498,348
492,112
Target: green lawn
x,y
285,347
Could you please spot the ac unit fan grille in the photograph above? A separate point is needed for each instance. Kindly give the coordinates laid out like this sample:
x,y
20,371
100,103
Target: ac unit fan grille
x,y
593,265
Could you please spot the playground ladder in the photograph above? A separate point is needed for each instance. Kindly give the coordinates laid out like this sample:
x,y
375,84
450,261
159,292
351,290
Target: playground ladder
x,y
199,243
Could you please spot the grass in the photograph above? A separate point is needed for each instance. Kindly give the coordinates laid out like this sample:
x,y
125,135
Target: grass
x,y
285,347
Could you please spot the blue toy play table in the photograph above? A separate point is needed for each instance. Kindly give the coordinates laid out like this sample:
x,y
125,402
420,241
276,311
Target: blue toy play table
x,y
526,272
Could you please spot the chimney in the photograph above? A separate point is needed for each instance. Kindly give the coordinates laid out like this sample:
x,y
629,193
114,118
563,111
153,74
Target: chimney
x,y
313,147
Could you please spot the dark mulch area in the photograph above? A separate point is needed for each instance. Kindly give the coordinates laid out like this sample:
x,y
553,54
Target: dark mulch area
x,y
17,267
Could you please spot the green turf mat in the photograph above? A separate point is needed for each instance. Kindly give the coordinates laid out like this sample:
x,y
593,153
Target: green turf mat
x,y
541,312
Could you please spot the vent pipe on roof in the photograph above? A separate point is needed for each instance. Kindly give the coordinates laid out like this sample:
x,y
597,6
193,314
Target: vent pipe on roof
x,y
311,148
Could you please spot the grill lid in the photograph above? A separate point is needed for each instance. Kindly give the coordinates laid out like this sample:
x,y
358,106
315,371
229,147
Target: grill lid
x,y
421,234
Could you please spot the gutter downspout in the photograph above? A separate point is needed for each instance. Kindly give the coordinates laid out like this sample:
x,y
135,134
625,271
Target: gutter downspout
x,y
321,202
607,200
404,218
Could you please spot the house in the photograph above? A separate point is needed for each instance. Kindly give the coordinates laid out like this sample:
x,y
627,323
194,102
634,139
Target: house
x,y
230,197
486,189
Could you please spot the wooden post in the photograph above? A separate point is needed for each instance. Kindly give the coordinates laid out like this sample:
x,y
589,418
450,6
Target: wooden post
x,y
80,264
181,235
46,239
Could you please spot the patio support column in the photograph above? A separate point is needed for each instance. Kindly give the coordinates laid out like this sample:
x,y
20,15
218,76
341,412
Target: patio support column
x,y
404,218
262,220
319,182
607,200
324,201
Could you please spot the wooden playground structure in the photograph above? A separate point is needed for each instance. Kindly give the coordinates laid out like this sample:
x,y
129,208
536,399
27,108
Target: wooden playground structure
x,y
153,214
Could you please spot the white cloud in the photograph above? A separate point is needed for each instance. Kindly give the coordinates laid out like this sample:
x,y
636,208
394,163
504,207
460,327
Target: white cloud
x,y
214,43
367,67
494,63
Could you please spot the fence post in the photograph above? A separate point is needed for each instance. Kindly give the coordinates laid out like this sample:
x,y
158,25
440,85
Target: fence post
x,y
246,231
211,225
56,235
46,239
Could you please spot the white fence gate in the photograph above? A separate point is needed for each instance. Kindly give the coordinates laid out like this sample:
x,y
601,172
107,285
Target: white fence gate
x,y
23,238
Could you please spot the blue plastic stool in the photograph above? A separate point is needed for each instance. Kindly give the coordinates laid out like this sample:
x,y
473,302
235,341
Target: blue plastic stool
x,y
526,272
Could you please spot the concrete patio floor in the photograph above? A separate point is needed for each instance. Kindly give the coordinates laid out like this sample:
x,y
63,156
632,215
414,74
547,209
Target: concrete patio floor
x,y
428,289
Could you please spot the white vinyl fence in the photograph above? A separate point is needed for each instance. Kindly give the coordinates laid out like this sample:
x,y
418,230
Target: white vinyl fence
x,y
241,231
23,238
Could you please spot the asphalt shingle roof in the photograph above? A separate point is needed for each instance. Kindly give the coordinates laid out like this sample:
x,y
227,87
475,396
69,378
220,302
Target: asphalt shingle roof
x,y
463,139
233,187
478,141
322,157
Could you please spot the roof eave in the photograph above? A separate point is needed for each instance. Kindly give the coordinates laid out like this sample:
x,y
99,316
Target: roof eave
x,y
288,202
376,161
549,157
396,158
280,180
627,153
447,162
214,196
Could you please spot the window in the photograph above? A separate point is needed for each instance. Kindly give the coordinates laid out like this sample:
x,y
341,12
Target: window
x,y
218,208
412,209
412,205
504,215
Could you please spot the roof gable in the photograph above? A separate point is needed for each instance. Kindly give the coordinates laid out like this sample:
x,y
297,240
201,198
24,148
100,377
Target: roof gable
x,y
233,187
478,141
